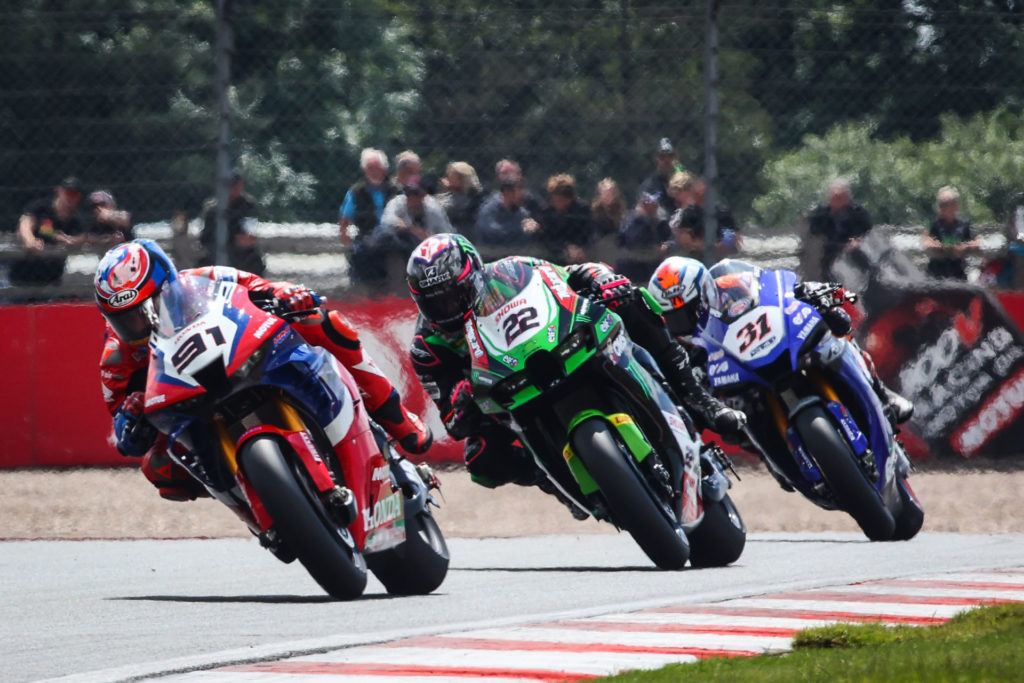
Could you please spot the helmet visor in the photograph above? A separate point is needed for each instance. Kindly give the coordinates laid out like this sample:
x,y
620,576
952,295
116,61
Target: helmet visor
x,y
447,307
133,326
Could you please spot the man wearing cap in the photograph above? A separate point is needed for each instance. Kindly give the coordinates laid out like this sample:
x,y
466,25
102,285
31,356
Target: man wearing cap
x,y
45,223
666,164
243,243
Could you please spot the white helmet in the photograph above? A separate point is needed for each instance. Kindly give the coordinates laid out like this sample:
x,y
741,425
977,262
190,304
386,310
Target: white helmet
x,y
677,285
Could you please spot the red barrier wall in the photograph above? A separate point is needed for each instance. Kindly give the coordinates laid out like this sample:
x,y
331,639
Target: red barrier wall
x,y
52,413
51,409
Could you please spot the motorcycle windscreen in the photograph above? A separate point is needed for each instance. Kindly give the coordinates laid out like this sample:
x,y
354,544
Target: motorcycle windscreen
x,y
180,303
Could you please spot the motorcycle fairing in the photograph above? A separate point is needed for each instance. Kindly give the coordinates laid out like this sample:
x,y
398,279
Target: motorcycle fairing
x,y
772,322
229,329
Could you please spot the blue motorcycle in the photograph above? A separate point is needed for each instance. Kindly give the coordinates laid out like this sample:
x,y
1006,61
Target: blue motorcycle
x,y
813,416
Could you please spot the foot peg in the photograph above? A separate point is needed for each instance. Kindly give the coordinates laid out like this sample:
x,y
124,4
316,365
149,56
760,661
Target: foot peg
x,y
341,503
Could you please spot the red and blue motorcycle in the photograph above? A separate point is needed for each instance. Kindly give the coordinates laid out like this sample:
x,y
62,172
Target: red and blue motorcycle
x,y
274,429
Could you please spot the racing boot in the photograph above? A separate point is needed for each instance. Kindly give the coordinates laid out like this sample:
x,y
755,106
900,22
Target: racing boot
x,y
331,331
402,424
171,479
898,408
709,411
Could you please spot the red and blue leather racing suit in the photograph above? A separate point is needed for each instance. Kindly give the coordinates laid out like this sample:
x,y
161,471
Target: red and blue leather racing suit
x,y
123,369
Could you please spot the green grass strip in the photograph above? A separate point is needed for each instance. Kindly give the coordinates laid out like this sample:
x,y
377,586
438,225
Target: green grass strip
x,y
984,644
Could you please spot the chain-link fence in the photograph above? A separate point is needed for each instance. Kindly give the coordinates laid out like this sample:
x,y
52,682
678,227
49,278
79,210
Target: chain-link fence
x,y
900,98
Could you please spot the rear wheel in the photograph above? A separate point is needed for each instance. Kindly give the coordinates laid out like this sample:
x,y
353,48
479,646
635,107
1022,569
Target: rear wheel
x,y
911,516
720,537
847,481
632,504
418,565
301,521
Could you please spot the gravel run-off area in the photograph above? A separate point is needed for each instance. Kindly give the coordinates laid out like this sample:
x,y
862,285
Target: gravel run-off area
x,y
114,503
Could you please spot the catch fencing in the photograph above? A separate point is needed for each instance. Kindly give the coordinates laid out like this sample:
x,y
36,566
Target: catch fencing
x,y
901,98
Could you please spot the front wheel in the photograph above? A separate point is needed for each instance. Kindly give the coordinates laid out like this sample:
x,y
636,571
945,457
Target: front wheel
x,y
847,481
720,537
419,564
300,519
911,517
632,504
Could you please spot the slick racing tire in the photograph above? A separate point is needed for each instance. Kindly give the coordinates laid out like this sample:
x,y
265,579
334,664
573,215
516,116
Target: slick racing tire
x,y
632,503
838,465
417,566
720,537
911,517
301,521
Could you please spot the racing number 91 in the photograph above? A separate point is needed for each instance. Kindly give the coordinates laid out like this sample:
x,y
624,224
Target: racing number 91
x,y
194,346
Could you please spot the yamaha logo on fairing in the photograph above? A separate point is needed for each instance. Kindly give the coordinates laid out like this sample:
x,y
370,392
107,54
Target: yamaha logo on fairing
x,y
431,278
122,298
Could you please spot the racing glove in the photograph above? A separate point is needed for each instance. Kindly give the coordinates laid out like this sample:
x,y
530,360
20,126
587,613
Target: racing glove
x,y
284,297
135,435
465,416
602,283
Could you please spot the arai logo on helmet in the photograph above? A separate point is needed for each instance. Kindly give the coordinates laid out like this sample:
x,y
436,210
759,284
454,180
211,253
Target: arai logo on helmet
x,y
122,298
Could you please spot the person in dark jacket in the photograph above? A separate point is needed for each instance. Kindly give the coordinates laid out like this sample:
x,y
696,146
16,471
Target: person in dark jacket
x,y
361,212
566,223
840,222
243,243
949,238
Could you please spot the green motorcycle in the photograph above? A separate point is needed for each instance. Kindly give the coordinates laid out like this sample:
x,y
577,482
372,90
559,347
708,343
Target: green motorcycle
x,y
591,407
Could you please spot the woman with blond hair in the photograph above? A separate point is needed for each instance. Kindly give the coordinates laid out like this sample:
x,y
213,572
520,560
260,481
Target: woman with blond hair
x,y
461,194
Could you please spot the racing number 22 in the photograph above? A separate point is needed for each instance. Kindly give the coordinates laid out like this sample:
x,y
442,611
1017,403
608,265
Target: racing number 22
x,y
520,321
753,331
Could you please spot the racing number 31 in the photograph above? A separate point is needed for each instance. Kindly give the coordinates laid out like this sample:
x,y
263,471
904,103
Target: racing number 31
x,y
753,331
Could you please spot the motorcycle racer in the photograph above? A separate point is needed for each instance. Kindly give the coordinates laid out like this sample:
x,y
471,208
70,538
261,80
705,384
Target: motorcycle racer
x,y
131,274
682,287
445,277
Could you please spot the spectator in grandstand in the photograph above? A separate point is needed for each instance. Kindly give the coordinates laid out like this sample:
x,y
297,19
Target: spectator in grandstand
x,y
460,196
409,218
687,221
44,223
364,202
243,243
105,223
608,208
666,163
643,239
504,220
508,171
407,167
566,224
839,222
361,212
949,238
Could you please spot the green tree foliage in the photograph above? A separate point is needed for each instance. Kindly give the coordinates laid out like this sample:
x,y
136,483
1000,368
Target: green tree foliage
x,y
583,86
121,93
897,179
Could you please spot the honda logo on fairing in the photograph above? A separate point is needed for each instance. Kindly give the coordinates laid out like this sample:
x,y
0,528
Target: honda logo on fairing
x,y
123,298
